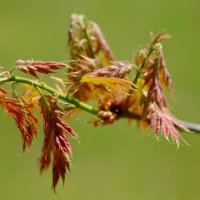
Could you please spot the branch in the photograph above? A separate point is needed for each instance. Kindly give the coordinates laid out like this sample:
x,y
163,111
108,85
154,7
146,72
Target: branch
x,y
92,72
52,91
79,104
191,126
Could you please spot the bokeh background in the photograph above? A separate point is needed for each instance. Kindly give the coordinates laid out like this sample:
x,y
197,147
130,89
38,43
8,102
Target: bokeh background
x,y
117,162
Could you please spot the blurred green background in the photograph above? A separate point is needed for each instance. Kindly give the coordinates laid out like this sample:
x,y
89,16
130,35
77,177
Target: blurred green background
x,y
117,162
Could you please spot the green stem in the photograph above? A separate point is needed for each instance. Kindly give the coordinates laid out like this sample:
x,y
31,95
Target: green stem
x,y
89,44
86,107
138,73
142,65
53,91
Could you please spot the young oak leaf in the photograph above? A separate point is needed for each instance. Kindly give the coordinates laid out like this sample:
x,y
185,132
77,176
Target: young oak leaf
x,y
110,82
153,83
55,141
118,69
76,36
22,113
98,41
86,38
155,94
79,67
155,39
31,67
163,122
164,75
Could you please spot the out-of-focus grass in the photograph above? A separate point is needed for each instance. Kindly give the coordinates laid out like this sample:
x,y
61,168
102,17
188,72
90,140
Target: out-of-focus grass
x,y
116,162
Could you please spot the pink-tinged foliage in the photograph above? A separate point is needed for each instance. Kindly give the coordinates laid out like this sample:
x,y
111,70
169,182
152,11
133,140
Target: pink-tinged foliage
x,y
22,113
81,66
89,51
152,80
93,74
163,122
101,41
118,69
55,141
86,38
31,67
155,94
164,75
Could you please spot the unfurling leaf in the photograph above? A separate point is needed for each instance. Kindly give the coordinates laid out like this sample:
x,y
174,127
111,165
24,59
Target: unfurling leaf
x,y
98,40
114,83
22,113
89,51
155,76
31,67
55,141
86,38
80,67
164,123
92,74
155,94
118,69
155,39
164,75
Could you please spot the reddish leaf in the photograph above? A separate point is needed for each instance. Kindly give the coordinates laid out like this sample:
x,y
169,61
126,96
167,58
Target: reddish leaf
x,y
31,67
164,75
23,116
80,67
95,33
163,122
86,38
118,70
155,94
55,141
153,83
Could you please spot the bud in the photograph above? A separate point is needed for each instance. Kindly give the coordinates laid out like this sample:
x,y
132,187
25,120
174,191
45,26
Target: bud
x,y
158,47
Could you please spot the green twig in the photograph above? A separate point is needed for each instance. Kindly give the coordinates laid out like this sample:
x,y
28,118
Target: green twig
x,y
51,90
79,104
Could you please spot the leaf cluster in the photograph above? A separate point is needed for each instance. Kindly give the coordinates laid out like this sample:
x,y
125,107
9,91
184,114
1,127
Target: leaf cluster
x,y
121,89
